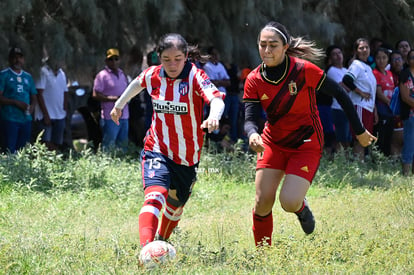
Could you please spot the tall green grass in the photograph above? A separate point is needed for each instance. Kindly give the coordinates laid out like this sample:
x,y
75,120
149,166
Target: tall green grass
x,y
78,214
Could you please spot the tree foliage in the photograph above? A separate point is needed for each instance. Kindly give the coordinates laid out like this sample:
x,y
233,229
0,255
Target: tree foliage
x,y
79,31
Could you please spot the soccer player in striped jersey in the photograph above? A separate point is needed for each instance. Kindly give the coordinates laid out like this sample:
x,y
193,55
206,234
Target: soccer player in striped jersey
x,y
173,143
290,146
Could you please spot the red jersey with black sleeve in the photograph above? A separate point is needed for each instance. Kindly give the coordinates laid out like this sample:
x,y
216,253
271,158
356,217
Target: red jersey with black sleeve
x,y
178,112
290,104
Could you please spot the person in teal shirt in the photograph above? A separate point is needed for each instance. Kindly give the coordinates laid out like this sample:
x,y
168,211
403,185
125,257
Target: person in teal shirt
x,y
17,100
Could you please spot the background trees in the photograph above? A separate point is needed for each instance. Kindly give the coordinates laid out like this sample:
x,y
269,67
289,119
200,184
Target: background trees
x,y
79,31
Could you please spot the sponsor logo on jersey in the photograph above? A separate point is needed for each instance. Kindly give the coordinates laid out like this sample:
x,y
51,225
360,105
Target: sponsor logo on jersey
x,y
293,89
264,97
207,83
170,107
183,88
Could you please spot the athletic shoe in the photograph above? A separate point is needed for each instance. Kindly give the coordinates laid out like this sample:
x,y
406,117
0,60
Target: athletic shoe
x,y
158,238
306,219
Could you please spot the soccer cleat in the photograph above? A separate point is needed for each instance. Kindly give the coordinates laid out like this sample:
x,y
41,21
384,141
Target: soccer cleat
x,y
159,238
306,219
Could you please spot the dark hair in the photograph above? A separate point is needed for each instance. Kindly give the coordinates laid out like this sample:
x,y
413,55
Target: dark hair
x,y
330,48
14,51
396,52
172,40
375,40
402,40
408,54
384,50
298,46
177,41
328,52
152,58
358,41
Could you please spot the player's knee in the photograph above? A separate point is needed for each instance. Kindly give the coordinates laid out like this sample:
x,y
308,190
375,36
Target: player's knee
x,y
263,205
155,197
290,205
174,202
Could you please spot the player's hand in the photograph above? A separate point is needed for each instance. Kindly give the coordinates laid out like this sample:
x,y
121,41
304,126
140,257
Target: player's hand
x,y
116,114
366,138
210,124
256,143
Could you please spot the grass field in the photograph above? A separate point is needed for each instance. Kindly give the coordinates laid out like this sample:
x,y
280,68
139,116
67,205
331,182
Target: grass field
x,y
79,215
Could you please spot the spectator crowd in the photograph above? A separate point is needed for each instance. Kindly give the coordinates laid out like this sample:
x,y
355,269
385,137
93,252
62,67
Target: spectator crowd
x,y
371,75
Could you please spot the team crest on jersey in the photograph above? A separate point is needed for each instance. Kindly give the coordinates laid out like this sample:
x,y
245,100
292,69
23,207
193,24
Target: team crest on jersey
x,y
183,88
293,89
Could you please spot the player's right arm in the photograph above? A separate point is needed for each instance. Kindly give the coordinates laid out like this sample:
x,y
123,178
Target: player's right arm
x,y
252,114
132,90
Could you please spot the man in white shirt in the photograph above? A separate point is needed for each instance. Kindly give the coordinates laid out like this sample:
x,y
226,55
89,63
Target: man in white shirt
x,y
216,71
50,112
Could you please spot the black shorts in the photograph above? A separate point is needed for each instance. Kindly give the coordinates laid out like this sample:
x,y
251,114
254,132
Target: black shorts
x,y
158,170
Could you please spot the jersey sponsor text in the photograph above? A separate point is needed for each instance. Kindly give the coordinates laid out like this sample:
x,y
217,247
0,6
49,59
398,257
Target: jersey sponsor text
x,y
170,107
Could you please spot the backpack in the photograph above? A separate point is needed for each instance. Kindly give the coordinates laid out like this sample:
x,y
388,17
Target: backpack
x,y
395,103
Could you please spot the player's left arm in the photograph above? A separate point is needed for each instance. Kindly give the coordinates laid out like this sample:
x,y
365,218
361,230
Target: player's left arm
x,y
331,88
216,111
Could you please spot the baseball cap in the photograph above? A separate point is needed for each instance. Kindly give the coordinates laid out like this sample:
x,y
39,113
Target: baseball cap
x,y
112,52
15,51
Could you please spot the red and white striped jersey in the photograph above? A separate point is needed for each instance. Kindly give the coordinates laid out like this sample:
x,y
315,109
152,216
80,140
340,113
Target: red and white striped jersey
x,y
178,112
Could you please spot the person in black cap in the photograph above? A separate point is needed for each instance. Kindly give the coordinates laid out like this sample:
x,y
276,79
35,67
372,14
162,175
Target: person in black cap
x,y
17,97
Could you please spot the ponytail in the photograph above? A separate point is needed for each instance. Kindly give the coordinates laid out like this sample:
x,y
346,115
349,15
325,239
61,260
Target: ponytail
x,y
298,46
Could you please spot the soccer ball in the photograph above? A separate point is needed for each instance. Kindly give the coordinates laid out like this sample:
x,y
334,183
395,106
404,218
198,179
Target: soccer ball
x,y
156,253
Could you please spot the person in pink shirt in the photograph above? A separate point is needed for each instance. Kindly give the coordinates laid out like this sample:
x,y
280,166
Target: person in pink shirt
x,y
108,87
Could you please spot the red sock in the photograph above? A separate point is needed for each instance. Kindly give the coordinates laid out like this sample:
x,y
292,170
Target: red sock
x,y
262,229
155,197
301,208
170,219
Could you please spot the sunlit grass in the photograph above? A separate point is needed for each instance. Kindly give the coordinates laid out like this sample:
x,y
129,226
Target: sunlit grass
x,y
78,214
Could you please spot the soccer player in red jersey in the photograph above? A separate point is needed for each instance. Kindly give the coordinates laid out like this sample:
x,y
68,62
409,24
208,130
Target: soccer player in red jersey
x,y
173,143
290,146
